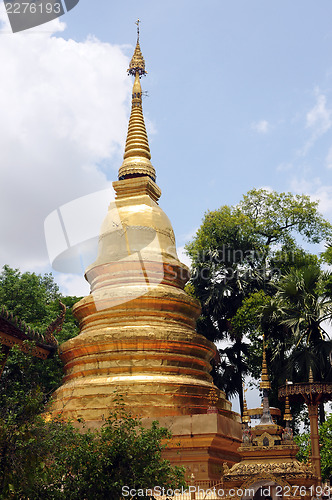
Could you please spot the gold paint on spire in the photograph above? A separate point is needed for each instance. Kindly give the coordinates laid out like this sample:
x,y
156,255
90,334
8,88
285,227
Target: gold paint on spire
x,y
138,326
265,383
287,414
311,376
245,416
136,159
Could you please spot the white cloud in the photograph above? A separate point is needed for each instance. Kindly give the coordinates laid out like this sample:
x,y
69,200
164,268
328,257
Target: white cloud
x,y
269,189
323,194
317,191
183,257
284,167
319,117
262,126
329,158
63,120
318,120
151,128
71,284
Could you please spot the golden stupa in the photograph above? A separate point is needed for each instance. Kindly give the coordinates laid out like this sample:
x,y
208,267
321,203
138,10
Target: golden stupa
x,y
137,325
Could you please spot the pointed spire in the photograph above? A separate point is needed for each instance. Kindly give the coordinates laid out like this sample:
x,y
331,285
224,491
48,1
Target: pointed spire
x,y
137,63
245,416
136,159
265,385
265,382
311,376
287,415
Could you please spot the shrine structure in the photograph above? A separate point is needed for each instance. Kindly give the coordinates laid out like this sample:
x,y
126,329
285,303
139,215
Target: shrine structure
x,y
312,393
268,468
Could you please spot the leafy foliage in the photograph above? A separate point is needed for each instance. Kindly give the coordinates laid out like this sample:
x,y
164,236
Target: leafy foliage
x,y
55,460
34,299
325,439
278,217
239,254
28,295
27,382
304,309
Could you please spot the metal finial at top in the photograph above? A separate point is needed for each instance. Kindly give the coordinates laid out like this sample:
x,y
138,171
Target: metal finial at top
x,y
137,156
137,63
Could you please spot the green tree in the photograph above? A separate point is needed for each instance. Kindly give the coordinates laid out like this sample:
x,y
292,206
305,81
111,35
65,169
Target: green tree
x,y
55,460
34,299
301,306
279,217
325,439
240,250
327,258
250,321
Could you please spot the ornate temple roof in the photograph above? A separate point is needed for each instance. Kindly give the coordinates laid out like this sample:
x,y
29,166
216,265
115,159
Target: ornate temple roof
x,y
286,469
15,332
268,450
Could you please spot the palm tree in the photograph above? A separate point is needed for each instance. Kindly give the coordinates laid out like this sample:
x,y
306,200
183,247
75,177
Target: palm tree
x,y
221,291
305,307
304,310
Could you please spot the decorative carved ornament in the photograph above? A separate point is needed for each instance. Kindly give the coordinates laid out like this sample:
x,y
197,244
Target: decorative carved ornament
x,y
287,469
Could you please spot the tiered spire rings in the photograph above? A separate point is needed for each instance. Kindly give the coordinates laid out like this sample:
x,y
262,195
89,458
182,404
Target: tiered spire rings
x,y
265,386
265,382
287,415
137,156
245,416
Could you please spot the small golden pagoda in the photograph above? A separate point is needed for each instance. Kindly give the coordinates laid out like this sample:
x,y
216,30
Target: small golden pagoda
x,y
137,326
268,467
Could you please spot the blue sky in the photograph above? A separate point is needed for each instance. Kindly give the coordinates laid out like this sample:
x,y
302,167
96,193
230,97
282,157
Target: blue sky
x,y
240,96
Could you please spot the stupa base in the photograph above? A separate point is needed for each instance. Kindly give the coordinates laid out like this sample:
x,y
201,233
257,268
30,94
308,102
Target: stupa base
x,y
202,444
